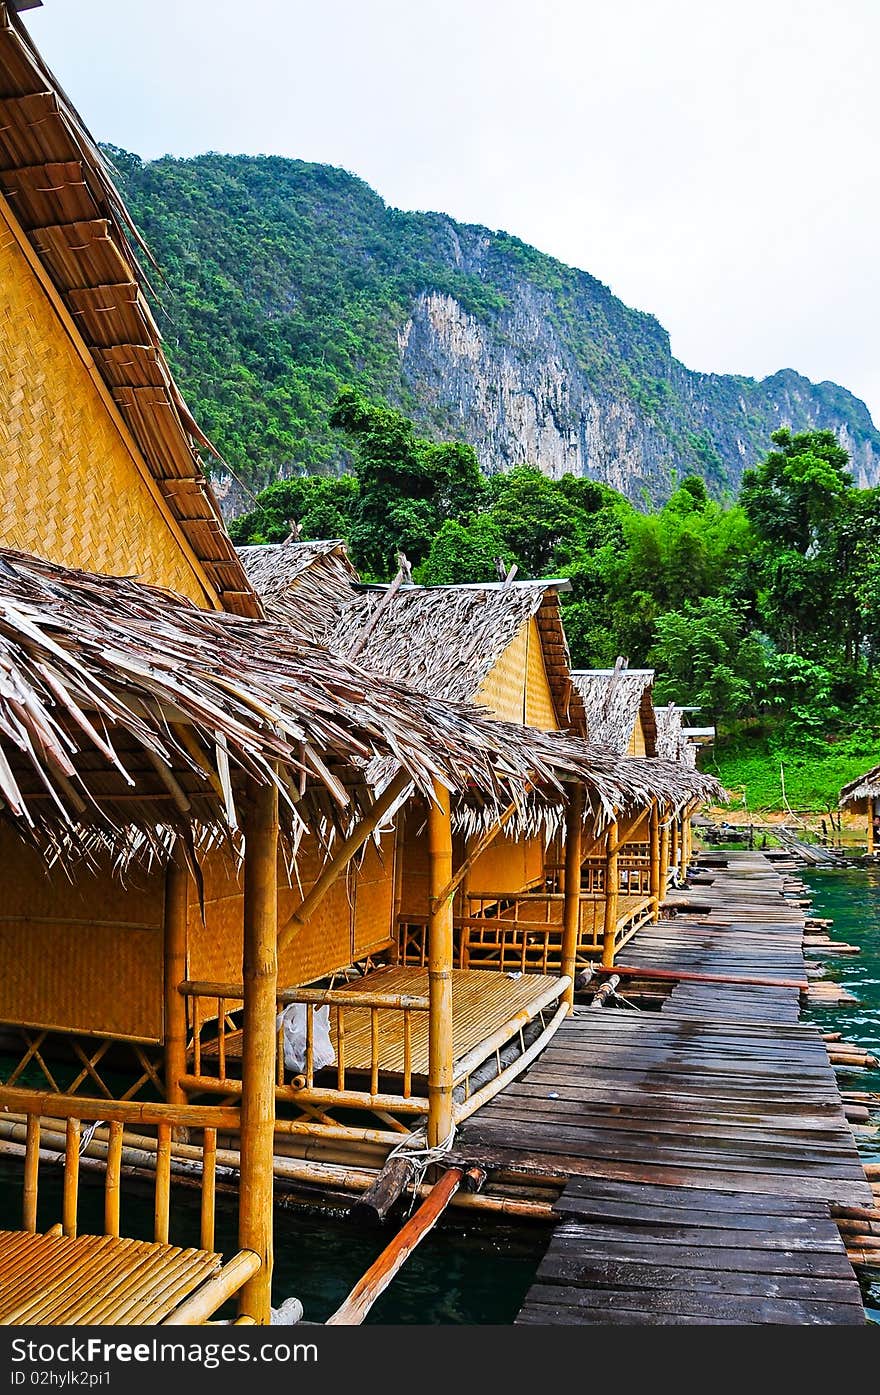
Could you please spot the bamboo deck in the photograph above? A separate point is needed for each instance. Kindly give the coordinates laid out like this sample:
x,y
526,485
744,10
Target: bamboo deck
x,y
53,1281
482,1002
702,1146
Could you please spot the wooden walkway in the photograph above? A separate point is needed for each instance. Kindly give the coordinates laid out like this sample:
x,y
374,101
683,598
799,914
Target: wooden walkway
x,y
673,1129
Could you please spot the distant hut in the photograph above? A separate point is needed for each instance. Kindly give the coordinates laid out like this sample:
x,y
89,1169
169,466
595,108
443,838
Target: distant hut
x,y
500,645
302,584
862,797
619,708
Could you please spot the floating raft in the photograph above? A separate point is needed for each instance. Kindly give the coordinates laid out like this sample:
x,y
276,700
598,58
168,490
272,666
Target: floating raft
x,y
673,1130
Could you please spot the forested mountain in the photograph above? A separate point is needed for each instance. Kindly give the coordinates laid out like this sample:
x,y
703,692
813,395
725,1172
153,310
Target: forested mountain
x,y
285,281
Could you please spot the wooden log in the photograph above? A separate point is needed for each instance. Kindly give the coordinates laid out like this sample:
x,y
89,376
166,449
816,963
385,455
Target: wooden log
x,y
174,956
352,1312
571,907
605,992
260,982
389,1186
609,928
440,954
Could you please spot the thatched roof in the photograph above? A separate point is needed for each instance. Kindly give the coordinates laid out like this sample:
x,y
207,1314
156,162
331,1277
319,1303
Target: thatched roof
x,y
445,640
613,699
123,706
670,741
61,191
865,786
302,584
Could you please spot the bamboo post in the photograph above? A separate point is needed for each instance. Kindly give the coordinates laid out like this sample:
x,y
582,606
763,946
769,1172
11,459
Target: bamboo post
x,y
609,931
673,847
174,940
664,859
31,1173
571,906
655,861
439,970
684,858
260,985
870,827
112,1183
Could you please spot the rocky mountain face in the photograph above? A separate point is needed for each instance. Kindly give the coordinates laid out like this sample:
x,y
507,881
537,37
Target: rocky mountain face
x,y
285,280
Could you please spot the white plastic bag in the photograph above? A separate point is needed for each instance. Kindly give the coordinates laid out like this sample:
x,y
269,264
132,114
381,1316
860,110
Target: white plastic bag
x,y
291,1022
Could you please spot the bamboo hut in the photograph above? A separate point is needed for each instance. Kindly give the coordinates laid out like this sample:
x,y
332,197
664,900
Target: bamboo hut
x,y
137,733
862,797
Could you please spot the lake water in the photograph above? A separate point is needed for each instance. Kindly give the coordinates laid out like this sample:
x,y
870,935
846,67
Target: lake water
x,y
851,898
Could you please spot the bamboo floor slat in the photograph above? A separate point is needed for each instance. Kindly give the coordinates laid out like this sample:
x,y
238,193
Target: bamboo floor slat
x,y
702,1146
482,1001
56,1281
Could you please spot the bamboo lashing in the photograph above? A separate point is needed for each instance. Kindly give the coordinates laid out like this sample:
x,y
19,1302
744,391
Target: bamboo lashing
x,y
440,953
260,986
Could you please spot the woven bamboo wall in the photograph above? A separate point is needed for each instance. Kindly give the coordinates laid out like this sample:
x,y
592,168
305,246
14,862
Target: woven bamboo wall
x,y
415,878
503,688
374,899
508,865
637,740
81,957
517,688
539,698
354,917
72,491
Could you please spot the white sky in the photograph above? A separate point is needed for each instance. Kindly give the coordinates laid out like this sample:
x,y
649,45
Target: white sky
x,y
716,164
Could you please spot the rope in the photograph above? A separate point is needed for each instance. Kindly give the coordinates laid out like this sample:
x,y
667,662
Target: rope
x,y
415,1149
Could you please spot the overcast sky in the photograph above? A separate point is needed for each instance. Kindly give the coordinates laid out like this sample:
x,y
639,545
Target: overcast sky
x,y
716,164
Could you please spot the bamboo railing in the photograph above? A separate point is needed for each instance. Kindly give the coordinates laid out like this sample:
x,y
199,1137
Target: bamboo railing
x,y
384,1019
41,1110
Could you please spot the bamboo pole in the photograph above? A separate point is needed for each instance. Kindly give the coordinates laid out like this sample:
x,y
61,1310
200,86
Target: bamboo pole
x,y
870,827
174,942
260,983
664,859
338,863
113,1181
654,840
609,929
482,845
440,1046
352,1312
70,1190
31,1173
194,1311
674,841
571,907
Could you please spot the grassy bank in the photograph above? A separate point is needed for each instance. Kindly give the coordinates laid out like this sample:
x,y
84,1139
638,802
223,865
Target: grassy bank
x,y
813,779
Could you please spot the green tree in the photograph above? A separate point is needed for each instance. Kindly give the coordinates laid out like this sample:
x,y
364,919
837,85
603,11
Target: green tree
x,y
705,651
407,486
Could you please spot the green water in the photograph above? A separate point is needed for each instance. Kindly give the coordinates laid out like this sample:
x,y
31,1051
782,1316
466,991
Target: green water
x,y
851,898
460,1273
